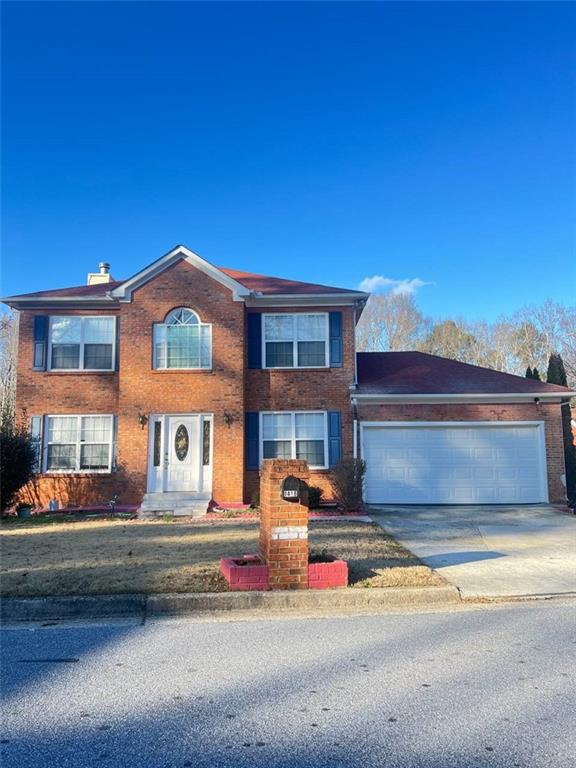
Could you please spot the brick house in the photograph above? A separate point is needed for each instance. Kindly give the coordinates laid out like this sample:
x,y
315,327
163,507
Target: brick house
x,y
170,387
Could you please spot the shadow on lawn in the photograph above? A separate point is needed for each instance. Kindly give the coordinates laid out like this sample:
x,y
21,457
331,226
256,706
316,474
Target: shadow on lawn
x,y
131,557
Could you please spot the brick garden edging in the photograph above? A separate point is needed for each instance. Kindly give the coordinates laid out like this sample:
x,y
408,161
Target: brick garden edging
x,y
249,573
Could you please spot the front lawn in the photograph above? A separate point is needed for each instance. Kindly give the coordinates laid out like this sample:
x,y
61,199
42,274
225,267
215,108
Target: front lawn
x,y
118,556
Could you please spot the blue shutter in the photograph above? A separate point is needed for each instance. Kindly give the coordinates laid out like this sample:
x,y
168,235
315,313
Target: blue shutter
x,y
40,342
117,355
36,434
336,352
252,440
254,321
334,437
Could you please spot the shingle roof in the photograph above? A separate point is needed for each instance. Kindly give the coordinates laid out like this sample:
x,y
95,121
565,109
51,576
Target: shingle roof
x,y
80,291
267,286
417,373
270,286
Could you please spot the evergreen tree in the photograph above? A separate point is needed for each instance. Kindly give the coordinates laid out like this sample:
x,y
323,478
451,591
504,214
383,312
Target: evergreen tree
x,y
556,373
536,374
529,374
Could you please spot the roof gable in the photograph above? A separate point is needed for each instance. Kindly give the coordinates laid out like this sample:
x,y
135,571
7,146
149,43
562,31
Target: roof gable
x,y
123,292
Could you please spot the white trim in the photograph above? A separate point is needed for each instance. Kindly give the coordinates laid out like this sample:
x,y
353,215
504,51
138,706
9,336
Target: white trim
x,y
294,341
292,440
494,397
77,470
19,301
306,299
81,368
180,252
156,477
540,425
448,423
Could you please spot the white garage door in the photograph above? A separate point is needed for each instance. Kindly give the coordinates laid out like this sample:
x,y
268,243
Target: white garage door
x,y
464,463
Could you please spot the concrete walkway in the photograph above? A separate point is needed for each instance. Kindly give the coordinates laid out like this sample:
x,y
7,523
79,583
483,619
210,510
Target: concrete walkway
x,y
490,551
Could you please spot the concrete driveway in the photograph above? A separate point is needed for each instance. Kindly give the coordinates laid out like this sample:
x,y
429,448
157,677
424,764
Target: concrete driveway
x,y
490,551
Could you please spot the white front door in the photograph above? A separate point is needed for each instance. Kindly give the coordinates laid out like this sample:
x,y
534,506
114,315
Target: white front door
x,y
180,453
183,453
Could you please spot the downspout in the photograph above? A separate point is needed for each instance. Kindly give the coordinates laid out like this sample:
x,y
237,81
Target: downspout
x,y
355,429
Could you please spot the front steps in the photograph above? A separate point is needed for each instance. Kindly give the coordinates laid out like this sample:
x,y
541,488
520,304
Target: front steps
x,y
155,505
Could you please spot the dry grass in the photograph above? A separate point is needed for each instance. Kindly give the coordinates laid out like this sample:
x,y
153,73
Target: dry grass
x,y
115,556
375,559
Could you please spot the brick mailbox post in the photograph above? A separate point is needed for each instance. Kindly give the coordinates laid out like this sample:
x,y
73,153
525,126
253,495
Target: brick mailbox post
x,y
284,524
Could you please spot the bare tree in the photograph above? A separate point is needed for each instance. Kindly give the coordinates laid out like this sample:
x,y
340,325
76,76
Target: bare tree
x,y
452,339
8,355
390,323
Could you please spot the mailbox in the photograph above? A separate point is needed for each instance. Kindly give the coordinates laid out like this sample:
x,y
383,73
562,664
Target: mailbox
x,y
291,489
294,490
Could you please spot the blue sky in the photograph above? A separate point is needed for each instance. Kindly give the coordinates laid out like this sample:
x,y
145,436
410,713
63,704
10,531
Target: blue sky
x,y
328,142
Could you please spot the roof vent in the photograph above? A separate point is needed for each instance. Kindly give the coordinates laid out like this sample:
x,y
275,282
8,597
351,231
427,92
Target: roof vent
x,y
102,276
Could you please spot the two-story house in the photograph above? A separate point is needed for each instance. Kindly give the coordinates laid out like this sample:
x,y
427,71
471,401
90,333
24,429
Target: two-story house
x,y
169,389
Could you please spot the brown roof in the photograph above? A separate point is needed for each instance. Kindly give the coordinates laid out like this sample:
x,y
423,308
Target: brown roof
x,y
417,373
80,291
268,286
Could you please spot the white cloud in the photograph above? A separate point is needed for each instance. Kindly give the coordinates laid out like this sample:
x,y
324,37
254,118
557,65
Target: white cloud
x,y
380,284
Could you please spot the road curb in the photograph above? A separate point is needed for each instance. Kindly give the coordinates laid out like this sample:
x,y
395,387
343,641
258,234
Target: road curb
x,y
223,603
71,607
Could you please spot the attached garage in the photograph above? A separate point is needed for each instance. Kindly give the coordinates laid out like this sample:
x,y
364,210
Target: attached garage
x,y
454,463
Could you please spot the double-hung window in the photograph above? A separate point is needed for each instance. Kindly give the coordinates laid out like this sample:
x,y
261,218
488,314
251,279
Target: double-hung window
x,y
296,340
79,443
295,435
182,342
82,343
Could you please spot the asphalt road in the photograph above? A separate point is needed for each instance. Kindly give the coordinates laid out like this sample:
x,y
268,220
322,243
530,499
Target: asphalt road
x,y
492,686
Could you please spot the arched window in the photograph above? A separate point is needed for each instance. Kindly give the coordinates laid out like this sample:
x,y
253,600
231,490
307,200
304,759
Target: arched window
x,y
182,341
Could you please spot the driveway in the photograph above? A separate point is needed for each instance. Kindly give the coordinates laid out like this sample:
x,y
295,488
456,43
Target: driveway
x,y
490,551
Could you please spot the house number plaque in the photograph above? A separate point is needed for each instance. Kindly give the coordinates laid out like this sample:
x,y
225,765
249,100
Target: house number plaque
x,y
291,489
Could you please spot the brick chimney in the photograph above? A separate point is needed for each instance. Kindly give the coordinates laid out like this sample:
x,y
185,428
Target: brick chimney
x,y
102,276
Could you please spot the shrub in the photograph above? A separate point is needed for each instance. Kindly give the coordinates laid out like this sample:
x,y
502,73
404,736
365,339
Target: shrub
x,y
347,481
17,460
314,496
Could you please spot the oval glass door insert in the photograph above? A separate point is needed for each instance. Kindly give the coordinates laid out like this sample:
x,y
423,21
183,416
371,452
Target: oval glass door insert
x,y
181,443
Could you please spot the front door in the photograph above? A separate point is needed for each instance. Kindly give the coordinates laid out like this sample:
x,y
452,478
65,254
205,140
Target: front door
x,y
180,453
183,454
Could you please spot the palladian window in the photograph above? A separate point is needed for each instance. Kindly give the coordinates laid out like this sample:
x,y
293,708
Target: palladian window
x,y
182,342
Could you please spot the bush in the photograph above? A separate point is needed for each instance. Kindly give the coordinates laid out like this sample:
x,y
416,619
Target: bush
x,y
348,481
17,460
314,496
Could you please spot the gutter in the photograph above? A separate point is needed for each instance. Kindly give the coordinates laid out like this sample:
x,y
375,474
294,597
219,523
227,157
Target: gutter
x,y
479,397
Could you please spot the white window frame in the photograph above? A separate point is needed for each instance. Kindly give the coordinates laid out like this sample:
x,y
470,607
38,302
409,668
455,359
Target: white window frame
x,y
187,368
295,341
81,342
79,442
293,438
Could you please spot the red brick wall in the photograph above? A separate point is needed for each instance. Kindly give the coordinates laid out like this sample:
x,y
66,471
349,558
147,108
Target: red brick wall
x,y
219,391
323,389
549,413
39,393
283,526
137,388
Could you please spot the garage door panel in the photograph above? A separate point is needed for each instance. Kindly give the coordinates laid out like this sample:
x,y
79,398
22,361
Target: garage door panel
x,y
449,464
